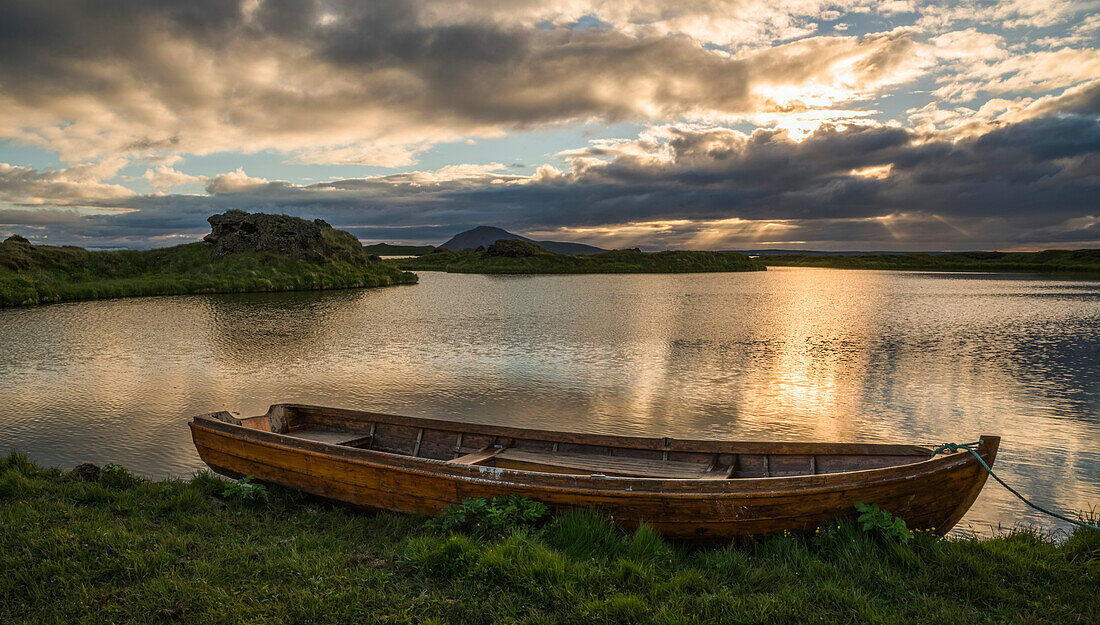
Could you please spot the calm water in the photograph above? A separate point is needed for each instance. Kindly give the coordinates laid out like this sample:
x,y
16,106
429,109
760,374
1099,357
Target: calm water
x,y
804,354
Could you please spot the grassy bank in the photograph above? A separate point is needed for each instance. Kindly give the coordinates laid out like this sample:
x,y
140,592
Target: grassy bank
x,y
1050,261
520,257
39,274
388,249
126,550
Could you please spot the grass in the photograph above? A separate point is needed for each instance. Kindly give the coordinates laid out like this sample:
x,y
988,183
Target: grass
x,y
389,249
1049,261
42,274
518,257
125,550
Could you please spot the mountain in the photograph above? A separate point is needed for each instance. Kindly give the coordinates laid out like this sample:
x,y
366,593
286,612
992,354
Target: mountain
x,y
484,236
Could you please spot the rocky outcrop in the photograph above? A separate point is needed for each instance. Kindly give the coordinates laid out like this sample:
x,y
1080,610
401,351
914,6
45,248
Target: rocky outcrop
x,y
315,241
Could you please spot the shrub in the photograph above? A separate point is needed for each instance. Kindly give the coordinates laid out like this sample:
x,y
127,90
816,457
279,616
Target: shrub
x,y
245,490
874,519
491,518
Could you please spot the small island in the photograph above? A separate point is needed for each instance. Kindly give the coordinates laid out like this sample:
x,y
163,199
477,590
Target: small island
x,y
515,256
1048,261
244,252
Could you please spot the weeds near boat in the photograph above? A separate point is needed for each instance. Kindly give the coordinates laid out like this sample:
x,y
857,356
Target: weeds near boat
x,y
874,519
245,489
491,518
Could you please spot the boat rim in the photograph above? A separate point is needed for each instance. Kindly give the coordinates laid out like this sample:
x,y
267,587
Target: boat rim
x,y
364,456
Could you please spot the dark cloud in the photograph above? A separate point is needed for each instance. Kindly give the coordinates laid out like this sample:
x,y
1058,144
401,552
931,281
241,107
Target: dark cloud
x,y
1033,182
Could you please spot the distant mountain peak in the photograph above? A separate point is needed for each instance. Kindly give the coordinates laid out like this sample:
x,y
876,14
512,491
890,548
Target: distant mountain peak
x,y
487,229
484,236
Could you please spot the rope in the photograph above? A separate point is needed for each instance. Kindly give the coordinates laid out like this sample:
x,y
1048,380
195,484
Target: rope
x,y
953,447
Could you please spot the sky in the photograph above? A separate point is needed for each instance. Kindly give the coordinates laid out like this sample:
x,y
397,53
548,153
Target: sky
x,y
695,124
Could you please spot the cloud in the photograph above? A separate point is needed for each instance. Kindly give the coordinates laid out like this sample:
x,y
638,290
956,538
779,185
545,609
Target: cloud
x,y
963,121
1035,72
1011,14
164,177
74,186
239,182
379,83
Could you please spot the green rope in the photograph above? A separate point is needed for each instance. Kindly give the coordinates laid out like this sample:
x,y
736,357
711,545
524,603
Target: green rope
x,y
953,447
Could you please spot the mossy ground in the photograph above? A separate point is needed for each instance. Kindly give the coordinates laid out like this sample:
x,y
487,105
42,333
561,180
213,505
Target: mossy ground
x,y
44,274
123,550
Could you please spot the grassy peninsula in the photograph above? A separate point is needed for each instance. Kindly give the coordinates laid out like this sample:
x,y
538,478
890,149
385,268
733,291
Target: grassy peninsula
x,y
513,256
388,249
243,253
1049,261
117,549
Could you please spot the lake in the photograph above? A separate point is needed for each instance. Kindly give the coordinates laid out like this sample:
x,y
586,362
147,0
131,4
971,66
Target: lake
x,y
791,353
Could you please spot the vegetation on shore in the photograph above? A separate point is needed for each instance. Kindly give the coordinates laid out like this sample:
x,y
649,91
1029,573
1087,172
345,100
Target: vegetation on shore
x,y
282,254
388,249
513,256
1049,261
115,548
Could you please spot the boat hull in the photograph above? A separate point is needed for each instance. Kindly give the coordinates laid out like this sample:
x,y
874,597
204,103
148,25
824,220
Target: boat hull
x,y
930,495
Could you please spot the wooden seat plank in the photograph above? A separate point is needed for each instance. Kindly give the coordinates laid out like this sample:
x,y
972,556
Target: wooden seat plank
x,y
331,437
607,465
478,456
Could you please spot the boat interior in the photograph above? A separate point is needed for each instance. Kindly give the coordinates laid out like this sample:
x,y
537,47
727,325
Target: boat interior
x,y
572,453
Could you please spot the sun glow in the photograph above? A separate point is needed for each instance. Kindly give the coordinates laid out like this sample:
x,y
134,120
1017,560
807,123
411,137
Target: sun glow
x,y
706,234
877,172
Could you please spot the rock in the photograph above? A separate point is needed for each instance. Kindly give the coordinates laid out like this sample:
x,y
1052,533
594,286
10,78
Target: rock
x,y
236,231
15,238
87,472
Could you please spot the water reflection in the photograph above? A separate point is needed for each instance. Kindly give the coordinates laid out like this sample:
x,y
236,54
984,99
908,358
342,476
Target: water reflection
x,y
788,354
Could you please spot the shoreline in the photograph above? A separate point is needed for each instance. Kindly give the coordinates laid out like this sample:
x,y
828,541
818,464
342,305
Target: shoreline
x,y
118,548
1085,262
521,258
200,291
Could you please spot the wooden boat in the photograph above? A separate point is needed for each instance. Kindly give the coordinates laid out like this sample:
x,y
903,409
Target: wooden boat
x,y
693,490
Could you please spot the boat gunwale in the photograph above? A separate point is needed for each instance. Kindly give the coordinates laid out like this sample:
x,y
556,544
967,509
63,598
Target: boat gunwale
x,y
777,486
633,442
